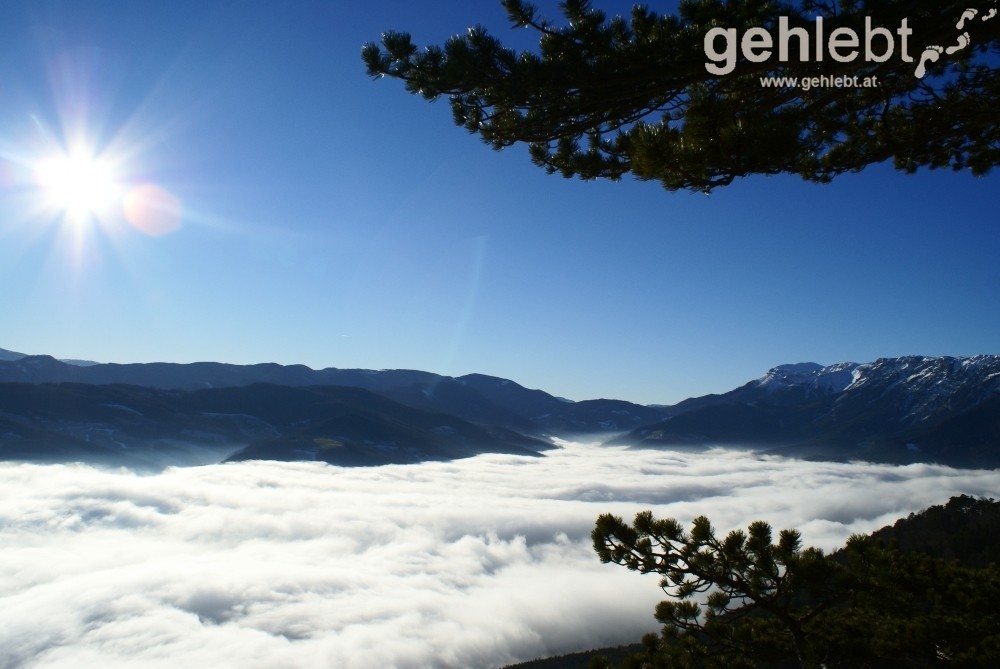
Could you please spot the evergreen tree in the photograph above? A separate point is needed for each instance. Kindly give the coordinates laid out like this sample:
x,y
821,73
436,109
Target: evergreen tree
x,y
737,601
601,98
745,601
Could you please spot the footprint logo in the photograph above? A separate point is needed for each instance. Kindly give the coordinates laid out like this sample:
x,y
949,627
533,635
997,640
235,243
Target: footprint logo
x,y
933,52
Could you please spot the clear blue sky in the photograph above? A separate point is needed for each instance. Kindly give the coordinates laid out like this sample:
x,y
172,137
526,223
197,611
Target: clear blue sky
x,y
323,218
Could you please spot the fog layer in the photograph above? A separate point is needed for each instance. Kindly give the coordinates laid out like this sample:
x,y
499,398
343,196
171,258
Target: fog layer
x,y
473,563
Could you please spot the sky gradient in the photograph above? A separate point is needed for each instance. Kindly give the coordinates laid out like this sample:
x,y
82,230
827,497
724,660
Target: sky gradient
x,y
316,216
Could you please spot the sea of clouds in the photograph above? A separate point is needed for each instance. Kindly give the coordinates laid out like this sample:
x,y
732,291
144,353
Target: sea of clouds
x,y
473,563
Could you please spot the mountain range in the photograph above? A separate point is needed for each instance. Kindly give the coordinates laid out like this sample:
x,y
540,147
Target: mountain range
x,y
908,409
940,409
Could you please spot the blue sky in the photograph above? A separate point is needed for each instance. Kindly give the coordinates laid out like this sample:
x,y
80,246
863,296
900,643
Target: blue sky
x,y
322,218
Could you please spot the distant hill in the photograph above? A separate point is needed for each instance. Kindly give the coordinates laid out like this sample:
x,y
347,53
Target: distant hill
x,y
475,397
14,355
581,660
150,427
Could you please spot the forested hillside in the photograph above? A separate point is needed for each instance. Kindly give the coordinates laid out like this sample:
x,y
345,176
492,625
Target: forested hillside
x,y
920,593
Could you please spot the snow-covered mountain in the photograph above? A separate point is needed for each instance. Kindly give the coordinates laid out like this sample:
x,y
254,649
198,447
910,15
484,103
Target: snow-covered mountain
x,y
809,375
945,409
918,386
927,385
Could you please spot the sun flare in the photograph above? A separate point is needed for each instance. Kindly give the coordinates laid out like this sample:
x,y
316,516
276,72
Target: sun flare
x,y
78,184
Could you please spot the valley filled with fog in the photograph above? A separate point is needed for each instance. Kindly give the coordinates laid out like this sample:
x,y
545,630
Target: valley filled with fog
x,y
472,563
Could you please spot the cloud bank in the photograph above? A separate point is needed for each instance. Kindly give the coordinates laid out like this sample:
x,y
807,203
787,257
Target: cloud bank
x,y
474,563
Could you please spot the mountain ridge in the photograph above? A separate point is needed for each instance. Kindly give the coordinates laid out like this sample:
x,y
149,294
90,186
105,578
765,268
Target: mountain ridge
x,y
943,409
477,398
908,409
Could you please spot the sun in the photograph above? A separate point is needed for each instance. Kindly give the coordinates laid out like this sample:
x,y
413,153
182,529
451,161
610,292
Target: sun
x,y
79,184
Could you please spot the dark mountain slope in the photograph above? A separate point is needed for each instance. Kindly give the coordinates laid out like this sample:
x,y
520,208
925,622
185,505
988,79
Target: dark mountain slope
x,y
119,424
966,529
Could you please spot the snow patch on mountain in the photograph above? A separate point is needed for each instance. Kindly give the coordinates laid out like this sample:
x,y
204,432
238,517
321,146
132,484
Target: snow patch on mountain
x,y
833,378
934,375
927,384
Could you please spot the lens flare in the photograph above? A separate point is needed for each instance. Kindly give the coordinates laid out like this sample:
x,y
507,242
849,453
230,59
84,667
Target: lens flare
x,y
152,210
